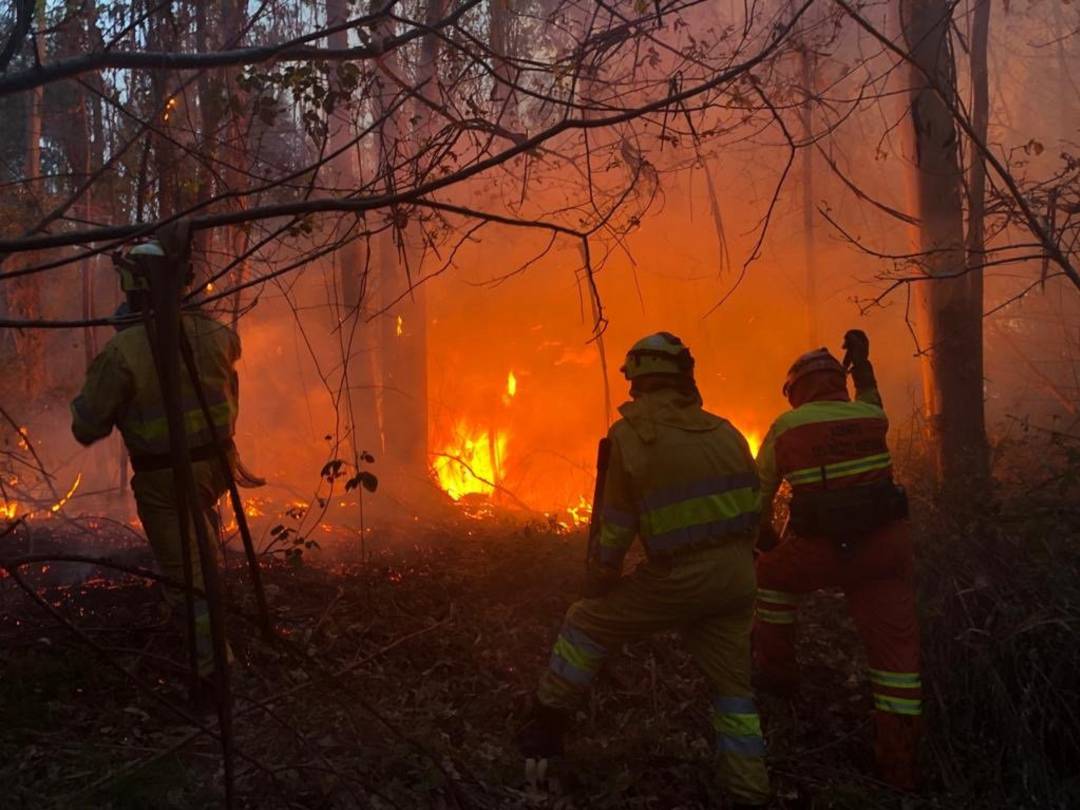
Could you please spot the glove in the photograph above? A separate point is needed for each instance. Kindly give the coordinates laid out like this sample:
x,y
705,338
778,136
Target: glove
x,y
856,348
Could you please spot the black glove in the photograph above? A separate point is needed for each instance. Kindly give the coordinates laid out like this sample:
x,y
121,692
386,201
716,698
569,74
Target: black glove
x,y
857,359
856,348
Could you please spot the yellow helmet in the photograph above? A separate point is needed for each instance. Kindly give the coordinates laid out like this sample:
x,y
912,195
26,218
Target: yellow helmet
x,y
661,353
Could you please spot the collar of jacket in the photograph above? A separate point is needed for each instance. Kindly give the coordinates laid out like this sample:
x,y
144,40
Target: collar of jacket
x,y
670,408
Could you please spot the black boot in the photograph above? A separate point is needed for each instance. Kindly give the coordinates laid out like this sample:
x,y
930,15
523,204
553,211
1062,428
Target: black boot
x,y
540,740
541,735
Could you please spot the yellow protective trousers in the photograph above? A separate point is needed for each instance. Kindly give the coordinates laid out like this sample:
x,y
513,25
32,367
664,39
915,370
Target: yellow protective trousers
x,y
155,500
708,596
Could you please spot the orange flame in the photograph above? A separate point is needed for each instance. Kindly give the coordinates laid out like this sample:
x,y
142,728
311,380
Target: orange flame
x,y
471,462
56,507
511,384
580,513
8,509
399,327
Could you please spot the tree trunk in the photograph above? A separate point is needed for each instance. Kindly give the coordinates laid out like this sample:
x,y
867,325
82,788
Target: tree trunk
x,y
235,150
806,114
404,323
504,101
24,294
808,80
353,263
948,315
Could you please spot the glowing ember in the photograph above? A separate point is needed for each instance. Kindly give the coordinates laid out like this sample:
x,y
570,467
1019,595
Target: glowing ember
x,y
471,462
56,507
170,105
399,327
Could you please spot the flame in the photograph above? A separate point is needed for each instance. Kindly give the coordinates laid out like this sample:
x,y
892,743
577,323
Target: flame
x,y
8,509
581,512
56,507
471,462
511,385
753,438
170,105
399,327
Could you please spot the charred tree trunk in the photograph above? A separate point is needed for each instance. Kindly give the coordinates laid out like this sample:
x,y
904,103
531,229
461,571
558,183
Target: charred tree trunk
x,y
949,313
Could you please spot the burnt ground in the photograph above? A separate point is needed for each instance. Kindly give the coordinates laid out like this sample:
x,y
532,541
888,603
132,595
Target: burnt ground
x,y
398,684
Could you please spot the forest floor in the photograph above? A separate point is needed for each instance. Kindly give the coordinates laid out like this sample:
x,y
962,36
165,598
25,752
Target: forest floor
x,y
400,683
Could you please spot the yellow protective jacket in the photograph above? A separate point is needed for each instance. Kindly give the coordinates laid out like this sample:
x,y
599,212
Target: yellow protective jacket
x,y
679,478
122,390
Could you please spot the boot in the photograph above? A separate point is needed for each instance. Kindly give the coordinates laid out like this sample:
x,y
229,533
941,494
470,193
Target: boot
x,y
540,741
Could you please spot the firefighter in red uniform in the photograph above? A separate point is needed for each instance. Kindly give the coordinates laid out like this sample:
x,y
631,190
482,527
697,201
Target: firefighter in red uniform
x,y
848,530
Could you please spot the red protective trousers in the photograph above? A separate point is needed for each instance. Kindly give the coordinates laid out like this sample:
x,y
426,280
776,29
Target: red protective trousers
x,y
877,581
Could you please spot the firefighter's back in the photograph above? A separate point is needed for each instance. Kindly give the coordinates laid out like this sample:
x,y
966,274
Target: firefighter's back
x,y
215,349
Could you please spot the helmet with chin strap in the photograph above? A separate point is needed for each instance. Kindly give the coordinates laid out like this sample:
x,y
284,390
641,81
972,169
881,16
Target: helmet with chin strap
x,y
661,353
136,264
811,363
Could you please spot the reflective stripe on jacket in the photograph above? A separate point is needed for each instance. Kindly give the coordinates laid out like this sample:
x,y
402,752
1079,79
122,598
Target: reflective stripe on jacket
x,y
827,444
122,390
679,478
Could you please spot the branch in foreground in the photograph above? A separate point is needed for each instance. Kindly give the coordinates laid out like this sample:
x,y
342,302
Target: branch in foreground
x,y
293,51
124,232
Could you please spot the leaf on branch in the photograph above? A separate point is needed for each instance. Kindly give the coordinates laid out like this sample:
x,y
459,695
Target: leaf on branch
x,y
332,470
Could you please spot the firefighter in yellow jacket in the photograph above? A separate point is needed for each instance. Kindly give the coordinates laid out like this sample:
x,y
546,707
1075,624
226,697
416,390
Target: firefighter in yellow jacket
x,y
122,390
685,482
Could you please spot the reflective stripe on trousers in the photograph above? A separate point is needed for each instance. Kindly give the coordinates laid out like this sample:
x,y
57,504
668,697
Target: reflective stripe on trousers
x,y
576,657
776,607
897,692
737,726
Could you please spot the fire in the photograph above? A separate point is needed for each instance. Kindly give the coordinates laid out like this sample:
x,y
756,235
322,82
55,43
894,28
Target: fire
x,y
753,438
581,513
399,327
56,507
511,385
8,509
471,462
170,105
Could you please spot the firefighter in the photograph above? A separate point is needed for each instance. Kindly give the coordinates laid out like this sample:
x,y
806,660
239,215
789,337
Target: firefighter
x,y
121,390
848,530
684,481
